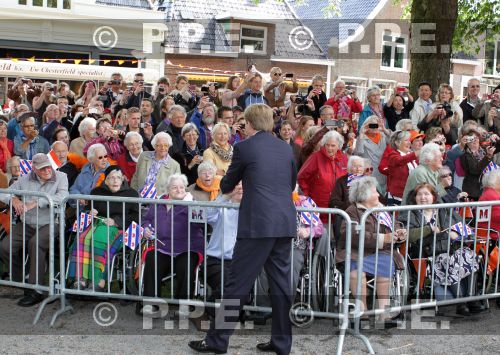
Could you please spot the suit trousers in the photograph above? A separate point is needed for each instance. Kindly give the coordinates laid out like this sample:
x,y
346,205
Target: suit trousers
x,y
249,256
37,252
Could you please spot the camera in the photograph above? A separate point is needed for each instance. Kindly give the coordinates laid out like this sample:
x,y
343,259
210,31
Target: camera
x,y
204,90
289,75
301,99
242,126
373,125
103,97
161,89
447,108
470,138
115,82
215,84
93,110
25,81
142,125
334,123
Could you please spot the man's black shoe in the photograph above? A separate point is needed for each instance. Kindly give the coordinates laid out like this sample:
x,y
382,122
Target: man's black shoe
x,y
202,347
267,347
30,299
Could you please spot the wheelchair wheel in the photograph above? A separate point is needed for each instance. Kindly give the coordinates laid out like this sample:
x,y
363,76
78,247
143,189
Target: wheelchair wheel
x,y
134,272
325,284
398,291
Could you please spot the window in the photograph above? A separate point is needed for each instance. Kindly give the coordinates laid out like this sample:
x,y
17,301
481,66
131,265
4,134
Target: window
x,y
393,52
492,55
253,39
53,4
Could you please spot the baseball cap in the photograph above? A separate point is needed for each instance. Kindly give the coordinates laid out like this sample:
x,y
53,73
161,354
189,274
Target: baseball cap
x,y
40,161
415,134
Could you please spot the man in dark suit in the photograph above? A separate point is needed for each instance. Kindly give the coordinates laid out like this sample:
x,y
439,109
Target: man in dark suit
x,y
266,225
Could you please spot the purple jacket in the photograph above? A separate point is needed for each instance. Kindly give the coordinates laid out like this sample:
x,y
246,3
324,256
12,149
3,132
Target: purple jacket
x,y
180,230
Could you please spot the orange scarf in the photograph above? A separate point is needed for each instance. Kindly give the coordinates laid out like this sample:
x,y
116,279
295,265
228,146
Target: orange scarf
x,y
214,189
375,138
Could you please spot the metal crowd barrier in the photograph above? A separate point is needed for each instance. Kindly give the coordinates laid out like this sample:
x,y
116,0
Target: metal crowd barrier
x,y
23,238
423,283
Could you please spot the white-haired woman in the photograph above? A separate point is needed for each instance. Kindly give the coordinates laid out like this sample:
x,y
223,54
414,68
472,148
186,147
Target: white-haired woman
x,y
155,167
318,175
430,161
371,144
373,107
92,174
400,162
207,186
379,240
127,161
178,239
87,133
220,152
339,197
191,155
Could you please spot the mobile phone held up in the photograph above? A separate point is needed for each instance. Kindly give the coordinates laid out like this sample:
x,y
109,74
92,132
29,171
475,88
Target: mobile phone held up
x,y
289,75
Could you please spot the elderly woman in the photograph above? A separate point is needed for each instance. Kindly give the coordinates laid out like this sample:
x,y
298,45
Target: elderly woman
x,y
318,175
396,109
379,240
451,271
191,155
207,186
474,161
453,193
108,137
6,146
339,197
401,161
92,174
172,231
87,133
220,152
29,143
128,160
371,144
445,96
89,255
491,192
373,107
155,167
430,161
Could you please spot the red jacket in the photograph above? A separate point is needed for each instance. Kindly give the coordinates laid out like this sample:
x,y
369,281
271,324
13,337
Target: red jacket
x,y
489,194
383,166
398,171
355,106
127,165
318,175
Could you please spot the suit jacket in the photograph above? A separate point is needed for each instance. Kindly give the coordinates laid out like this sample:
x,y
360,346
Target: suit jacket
x,y
266,166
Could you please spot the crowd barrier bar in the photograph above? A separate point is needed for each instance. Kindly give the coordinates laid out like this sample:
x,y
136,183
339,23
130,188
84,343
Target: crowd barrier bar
x,y
431,302
38,286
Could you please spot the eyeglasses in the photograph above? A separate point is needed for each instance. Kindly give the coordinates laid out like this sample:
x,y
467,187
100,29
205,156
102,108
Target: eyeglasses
x,y
164,146
369,170
102,157
438,142
28,126
475,86
278,74
445,176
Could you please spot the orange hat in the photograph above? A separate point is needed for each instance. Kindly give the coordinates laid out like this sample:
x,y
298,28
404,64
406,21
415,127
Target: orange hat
x,y
415,134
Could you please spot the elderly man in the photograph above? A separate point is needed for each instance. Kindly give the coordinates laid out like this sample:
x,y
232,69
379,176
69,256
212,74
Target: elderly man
x,y
33,233
431,160
204,119
13,169
471,100
29,142
67,167
177,116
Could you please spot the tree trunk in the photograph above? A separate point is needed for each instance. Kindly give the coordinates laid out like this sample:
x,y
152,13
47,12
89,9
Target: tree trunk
x,y
432,64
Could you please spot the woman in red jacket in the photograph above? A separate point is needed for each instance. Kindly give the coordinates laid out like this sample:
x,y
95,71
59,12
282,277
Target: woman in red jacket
x,y
318,174
401,161
127,161
491,192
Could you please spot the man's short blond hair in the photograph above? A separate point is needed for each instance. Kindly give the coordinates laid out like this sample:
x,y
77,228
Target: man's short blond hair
x,y
260,116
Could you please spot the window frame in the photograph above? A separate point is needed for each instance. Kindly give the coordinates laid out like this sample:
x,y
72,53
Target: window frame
x,y
394,45
264,39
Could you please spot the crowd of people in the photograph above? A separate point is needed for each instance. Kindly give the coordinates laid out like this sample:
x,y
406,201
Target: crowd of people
x,y
119,139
